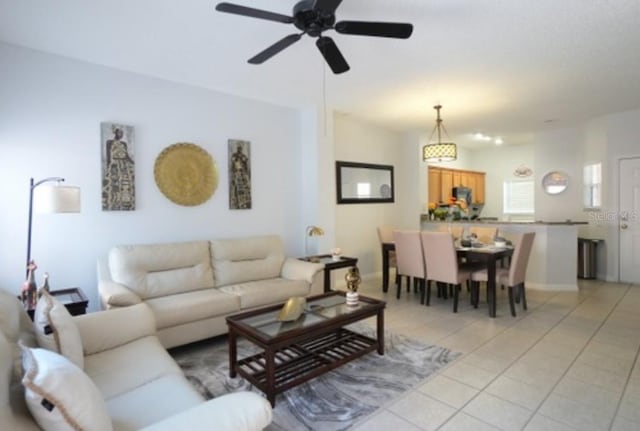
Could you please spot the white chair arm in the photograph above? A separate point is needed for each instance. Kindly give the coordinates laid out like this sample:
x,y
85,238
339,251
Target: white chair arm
x,y
239,411
296,269
105,330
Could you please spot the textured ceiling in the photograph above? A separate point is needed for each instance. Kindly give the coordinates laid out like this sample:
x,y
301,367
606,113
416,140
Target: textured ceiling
x,y
502,67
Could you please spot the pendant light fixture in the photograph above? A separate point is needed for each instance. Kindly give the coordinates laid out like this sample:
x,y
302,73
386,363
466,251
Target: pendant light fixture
x,y
439,151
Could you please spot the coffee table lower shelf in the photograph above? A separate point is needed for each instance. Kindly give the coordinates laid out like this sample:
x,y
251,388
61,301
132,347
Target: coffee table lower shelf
x,y
302,361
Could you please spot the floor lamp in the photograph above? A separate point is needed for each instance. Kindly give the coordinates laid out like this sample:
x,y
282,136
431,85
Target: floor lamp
x,y
51,199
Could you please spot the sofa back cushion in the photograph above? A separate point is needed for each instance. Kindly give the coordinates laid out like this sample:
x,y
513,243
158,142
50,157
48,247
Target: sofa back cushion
x,y
162,269
246,259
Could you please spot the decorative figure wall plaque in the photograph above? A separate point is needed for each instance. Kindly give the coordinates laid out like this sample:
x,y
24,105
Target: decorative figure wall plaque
x,y
186,174
239,174
118,177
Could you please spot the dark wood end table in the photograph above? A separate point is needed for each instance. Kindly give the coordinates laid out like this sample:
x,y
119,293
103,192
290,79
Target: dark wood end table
x,y
330,265
73,298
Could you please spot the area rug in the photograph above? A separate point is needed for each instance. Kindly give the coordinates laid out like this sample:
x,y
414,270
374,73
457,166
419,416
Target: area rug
x,y
333,401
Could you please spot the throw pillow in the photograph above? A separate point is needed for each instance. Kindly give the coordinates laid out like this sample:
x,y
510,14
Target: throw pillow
x,y
59,395
56,330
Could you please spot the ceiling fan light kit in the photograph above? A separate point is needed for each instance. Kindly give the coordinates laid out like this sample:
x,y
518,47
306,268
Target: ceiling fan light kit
x,y
313,18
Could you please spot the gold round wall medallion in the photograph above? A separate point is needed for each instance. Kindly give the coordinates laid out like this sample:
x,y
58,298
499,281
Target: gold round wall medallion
x,y
186,174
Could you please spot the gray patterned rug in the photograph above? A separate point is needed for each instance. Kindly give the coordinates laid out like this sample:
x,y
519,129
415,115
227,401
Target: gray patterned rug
x,y
333,401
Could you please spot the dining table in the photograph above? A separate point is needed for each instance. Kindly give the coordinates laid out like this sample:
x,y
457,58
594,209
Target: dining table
x,y
487,256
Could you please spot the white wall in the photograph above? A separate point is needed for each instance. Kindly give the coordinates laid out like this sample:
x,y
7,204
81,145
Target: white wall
x,y
50,112
355,224
561,150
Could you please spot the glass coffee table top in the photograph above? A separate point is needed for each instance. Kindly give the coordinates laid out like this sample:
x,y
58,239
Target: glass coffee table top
x,y
316,311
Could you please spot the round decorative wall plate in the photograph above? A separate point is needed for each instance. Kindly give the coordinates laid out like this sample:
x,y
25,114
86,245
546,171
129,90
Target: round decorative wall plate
x,y
186,174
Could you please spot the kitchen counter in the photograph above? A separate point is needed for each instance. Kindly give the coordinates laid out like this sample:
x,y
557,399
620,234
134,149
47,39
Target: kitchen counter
x,y
554,256
425,218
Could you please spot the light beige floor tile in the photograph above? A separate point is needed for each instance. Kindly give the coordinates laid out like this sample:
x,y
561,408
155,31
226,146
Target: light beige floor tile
x,y
515,391
575,414
602,347
542,423
423,411
470,375
605,362
448,391
385,421
591,395
630,408
592,375
486,362
463,422
623,424
533,375
497,412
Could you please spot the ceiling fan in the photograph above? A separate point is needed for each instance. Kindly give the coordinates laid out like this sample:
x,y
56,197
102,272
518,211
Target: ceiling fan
x,y
314,17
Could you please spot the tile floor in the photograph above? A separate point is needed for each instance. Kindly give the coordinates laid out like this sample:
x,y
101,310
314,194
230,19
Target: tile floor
x,y
568,363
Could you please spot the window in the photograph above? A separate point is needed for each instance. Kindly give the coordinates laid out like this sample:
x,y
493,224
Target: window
x,y
518,197
363,190
592,180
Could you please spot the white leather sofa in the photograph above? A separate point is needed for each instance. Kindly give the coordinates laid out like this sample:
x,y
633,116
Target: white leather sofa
x,y
141,385
192,286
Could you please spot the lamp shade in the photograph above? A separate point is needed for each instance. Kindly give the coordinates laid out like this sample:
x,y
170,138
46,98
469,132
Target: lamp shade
x,y
440,152
57,199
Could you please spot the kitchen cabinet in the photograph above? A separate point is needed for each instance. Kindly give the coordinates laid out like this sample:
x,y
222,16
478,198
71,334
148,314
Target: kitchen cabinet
x,y
435,185
442,180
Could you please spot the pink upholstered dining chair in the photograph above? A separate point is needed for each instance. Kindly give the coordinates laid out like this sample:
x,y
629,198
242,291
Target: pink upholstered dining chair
x,y
456,231
441,262
409,259
514,276
485,235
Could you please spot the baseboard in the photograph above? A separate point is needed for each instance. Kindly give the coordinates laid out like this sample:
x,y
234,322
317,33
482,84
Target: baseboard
x,y
552,287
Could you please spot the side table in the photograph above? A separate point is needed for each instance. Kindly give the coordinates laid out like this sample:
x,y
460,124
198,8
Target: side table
x,y
73,299
330,265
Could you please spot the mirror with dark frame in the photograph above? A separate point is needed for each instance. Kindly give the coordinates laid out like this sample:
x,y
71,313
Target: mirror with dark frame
x,y
361,183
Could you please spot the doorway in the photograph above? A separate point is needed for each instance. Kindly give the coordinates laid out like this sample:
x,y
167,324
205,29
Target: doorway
x,y
629,220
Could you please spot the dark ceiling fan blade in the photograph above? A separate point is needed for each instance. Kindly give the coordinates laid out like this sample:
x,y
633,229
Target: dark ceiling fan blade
x,y
380,29
253,13
332,55
327,5
283,43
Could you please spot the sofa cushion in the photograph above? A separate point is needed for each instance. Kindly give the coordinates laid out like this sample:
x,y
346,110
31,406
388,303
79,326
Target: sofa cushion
x,y
162,269
152,402
265,292
56,330
128,366
192,306
59,395
246,259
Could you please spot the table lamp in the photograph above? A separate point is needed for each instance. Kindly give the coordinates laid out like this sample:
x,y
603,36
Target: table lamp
x,y
51,199
311,231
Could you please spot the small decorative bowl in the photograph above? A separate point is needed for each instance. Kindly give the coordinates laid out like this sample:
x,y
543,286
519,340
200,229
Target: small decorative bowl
x,y
500,244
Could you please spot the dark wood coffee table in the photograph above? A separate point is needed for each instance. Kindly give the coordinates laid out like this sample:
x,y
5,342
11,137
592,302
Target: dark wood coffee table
x,y
315,343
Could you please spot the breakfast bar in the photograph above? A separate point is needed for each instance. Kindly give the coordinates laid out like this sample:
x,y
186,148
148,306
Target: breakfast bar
x,y
554,258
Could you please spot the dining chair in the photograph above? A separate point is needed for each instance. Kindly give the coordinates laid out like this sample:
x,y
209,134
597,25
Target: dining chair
x,y
409,259
456,231
442,262
512,277
385,235
485,235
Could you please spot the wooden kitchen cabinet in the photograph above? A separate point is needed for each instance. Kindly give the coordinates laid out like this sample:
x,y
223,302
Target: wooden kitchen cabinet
x,y
435,185
443,180
446,184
